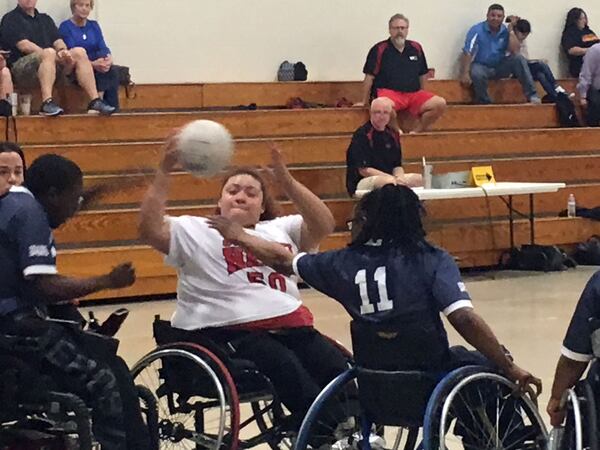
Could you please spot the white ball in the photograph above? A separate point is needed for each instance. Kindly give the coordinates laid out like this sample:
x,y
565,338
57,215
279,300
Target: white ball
x,y
205,147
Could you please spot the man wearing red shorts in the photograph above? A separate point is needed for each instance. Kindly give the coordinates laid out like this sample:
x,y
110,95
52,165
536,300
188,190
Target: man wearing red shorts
x,y
395,68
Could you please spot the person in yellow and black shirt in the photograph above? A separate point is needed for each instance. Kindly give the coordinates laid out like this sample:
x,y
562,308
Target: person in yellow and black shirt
x,y
577,37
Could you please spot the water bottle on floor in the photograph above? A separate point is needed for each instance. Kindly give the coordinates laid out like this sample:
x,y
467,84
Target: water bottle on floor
x,y
571,206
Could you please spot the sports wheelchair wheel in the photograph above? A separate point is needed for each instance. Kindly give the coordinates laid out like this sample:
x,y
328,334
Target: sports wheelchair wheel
x,y
196,399
334,421
473,408
582,419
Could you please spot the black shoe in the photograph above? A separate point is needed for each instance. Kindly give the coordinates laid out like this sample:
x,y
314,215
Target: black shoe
x,y
50,108
97,106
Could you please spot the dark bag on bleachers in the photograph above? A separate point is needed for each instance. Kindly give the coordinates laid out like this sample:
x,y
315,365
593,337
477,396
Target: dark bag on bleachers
x,y
286,71
588,252
124,75
565,108
300,72
546,258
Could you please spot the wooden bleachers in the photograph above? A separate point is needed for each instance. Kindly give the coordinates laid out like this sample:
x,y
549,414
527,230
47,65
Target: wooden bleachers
x,y
521,142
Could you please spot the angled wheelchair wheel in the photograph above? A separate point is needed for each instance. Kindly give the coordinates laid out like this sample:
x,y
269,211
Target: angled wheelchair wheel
x,y
473,408
581,423
196,399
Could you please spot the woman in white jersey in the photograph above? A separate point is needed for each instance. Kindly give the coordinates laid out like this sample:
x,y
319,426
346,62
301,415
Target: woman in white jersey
x,y
231,296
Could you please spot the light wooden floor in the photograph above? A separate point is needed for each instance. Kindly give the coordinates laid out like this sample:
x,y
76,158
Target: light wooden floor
x,y
529,312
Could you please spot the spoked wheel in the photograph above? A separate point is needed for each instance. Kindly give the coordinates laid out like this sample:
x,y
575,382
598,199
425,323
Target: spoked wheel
x,y
474,409
196,400
582,419
269,415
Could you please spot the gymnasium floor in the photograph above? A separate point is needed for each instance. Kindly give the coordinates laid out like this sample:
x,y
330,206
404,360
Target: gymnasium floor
x,y
529,312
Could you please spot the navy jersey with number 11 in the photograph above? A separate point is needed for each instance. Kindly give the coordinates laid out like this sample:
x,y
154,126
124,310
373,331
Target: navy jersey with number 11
x,y
380,285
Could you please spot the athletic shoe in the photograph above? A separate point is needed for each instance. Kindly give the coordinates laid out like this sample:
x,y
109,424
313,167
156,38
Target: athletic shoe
x,y
97,106
50,108
535,100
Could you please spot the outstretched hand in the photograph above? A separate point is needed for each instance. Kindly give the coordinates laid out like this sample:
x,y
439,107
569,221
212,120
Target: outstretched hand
x,y
278,169
170,158
229,230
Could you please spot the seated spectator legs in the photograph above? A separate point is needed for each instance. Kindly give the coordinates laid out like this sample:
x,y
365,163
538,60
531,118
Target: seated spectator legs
x,y
511,65
517,65
46,71
542,73
431,111
480,75
79,62
107,84
6,83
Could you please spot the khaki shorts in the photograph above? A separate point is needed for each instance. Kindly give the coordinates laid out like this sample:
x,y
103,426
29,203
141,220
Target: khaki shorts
x,y
25,71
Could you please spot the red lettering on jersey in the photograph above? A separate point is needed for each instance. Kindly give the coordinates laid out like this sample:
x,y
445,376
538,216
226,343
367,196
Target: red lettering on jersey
x,y
234,257
237,258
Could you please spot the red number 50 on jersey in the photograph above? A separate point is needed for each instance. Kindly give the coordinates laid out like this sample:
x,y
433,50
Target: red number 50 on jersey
x,y
275,280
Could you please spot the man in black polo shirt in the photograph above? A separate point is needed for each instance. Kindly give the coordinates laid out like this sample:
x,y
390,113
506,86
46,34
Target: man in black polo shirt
x,y
396,69
374,157
37,51
577,349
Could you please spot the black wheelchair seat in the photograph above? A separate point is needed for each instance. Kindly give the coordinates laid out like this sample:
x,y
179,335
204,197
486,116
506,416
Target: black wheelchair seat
x,y
395,381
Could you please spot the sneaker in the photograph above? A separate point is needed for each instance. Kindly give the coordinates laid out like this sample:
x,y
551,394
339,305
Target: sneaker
x,y
97,106
535,100
50,108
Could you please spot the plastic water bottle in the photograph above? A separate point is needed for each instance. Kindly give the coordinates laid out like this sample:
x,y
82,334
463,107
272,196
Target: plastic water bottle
x,y
571,206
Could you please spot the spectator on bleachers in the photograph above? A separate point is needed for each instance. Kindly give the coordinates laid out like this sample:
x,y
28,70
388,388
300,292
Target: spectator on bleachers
x,y
79,31
38,54
577,38
490,53
396,68
589,85
374,157
6,83
540,71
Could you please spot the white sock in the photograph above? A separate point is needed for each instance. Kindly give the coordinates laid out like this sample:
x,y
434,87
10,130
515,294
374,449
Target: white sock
x,y
560,90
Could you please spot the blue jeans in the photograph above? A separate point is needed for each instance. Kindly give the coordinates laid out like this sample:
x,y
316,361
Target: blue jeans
x,y
542,73
511,65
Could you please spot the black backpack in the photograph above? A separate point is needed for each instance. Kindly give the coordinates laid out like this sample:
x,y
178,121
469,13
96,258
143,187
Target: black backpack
x,y
566,111
588,253
300,72
546,258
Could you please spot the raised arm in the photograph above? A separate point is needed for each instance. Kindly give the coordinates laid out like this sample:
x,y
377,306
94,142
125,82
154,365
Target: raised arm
x,y
318,220
153,228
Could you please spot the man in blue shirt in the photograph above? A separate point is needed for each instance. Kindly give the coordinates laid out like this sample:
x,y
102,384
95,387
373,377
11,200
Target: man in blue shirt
x,y
490,53
391,276
29,280
577,349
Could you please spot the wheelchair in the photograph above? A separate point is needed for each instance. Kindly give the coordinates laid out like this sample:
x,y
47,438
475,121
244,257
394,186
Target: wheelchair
x,y
380,402
36,413
582,402
207,398
33,415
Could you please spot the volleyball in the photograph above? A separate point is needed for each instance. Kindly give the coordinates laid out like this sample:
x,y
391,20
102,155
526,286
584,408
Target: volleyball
x,y
205,147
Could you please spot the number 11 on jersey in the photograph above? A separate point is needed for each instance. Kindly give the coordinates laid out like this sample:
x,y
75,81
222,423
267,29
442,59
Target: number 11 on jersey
x,y
384,303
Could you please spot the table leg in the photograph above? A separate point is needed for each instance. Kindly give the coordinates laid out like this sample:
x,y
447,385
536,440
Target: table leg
x,y
511,222
531,220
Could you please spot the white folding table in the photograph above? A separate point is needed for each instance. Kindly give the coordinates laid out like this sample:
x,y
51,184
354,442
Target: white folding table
x,y
492,190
